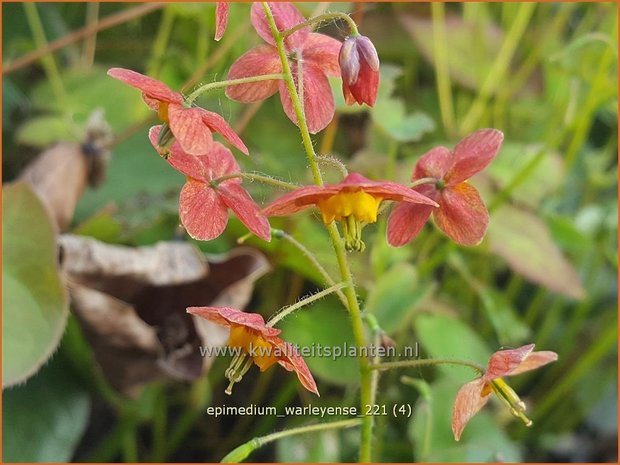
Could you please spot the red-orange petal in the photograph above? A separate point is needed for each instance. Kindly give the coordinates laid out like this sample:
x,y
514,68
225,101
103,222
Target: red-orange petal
x,y
473,154
406,221
258,61
462,214
216,123
151,87
293,361
285,15
469,400
240,202
228,316
189,129
221,19
203,213
318,100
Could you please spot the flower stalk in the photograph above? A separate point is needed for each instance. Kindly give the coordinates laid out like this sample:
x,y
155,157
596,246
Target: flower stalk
x,y
366,394
230,82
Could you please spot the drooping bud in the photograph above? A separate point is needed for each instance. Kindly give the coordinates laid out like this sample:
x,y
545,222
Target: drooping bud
x,y
359,66
221,19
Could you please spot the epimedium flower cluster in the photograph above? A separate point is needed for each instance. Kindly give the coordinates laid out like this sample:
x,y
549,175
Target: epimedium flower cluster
x,y
213,185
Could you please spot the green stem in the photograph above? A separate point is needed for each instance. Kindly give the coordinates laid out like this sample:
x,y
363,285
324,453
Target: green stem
x,y
48,62
302,303
444,89
500,67
256,177
426,362
242,452
337,243
231,82
323,18
419,182
279,234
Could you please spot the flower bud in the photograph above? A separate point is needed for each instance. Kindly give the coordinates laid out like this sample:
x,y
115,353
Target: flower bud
x,y
359,67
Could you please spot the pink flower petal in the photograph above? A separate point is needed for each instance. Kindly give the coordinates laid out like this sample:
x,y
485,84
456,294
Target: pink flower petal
x,y
227,316
322,51
220,163
295,362
218,124
535,360
473,154
285,15
203,213
318,99
221,19
433,164
293,202
504,362
405,222
151,87
468,402
189,165
239,201
395,191
462,214
188,128
260,60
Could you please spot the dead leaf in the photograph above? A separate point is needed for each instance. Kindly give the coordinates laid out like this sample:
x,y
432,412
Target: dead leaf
x,y
131,304
61,173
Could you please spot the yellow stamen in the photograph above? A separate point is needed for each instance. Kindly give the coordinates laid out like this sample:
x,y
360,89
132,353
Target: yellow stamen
x,y
255,350
511,399
354,210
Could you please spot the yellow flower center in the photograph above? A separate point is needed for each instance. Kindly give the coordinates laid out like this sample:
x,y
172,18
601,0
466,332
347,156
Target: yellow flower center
x,y
162,112
353,210
254,349
511,399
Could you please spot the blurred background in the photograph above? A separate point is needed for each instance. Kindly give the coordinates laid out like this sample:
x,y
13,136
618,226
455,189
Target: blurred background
x,y
100,363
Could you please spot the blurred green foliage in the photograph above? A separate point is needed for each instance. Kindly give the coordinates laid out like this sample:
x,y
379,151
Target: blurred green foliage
x,y
545,74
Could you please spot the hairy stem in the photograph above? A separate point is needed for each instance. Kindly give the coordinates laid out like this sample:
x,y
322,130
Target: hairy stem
x,y
357,324
323,18
256,177
426,362
278,233
302,303
231,82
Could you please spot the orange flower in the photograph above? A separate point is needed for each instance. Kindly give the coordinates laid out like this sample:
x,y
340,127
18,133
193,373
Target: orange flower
x,y
354,202
255,343
475,394
191,126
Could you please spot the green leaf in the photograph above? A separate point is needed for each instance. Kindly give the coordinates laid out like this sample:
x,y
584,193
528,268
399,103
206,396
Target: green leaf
x,y
430,430
34,303
324,324
395,295
524,241
43,420
445,336
389,115
43,131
